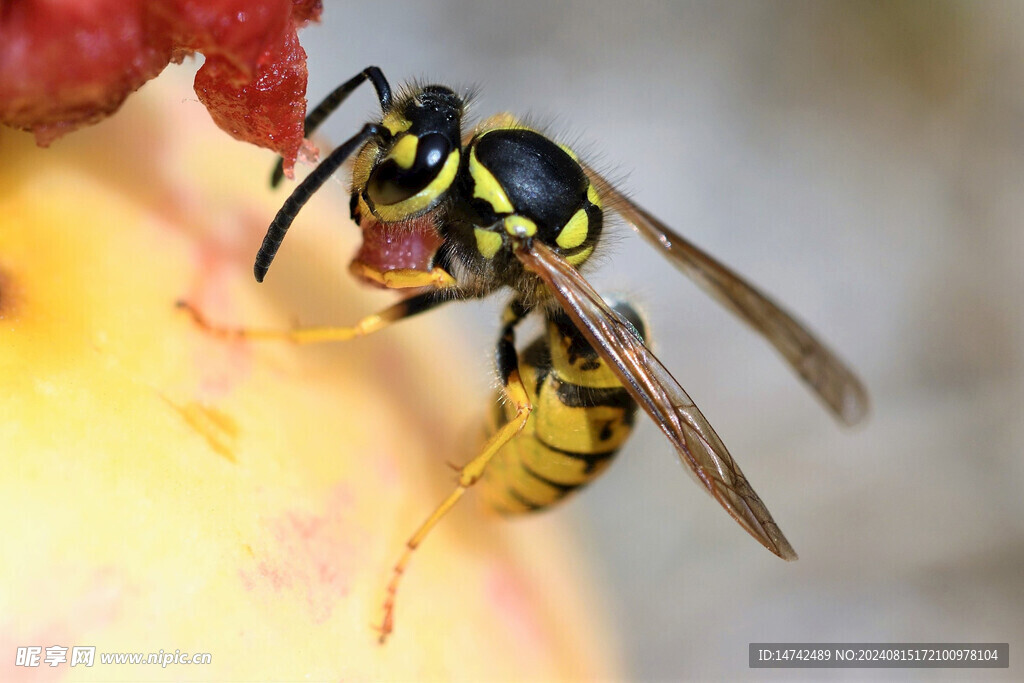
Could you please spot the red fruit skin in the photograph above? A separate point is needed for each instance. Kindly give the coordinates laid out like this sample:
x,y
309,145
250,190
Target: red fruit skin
x,y
69,63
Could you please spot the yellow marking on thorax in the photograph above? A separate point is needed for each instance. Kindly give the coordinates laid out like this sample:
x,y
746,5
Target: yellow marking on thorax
x,y
593,196
520,226
574,233
487,187
498,122
487,242
577,259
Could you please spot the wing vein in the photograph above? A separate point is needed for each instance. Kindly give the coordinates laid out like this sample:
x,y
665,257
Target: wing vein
x,y
821,369
658,393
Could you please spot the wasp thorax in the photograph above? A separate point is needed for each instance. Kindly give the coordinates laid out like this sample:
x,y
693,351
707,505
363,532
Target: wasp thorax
x,y
410,166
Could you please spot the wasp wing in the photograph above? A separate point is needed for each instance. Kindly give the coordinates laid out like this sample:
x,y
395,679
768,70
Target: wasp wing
x,y
660,395
819,367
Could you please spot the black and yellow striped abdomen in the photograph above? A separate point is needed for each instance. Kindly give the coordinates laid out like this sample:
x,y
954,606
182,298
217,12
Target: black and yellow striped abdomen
x,y
581,417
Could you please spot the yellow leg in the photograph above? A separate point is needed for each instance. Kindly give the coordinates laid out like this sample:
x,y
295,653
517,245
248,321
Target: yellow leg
x,y
308,335
468,475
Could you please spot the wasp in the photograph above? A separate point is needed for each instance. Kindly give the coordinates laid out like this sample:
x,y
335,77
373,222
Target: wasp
x,y
505,207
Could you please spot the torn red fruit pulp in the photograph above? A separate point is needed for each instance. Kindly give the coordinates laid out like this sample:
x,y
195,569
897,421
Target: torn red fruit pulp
x,y
409,245
65,64
268,110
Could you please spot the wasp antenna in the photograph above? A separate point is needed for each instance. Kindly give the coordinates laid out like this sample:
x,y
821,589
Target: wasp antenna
x,y
283,220
335,100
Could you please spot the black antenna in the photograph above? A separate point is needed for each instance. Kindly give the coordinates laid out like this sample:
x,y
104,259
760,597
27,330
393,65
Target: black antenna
x,y
283,220
335,100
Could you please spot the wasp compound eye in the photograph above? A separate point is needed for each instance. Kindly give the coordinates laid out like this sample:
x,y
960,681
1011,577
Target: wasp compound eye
x,y
411,165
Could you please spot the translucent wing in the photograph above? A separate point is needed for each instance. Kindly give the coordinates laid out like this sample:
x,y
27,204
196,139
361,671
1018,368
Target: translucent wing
x,y
658,393
821,369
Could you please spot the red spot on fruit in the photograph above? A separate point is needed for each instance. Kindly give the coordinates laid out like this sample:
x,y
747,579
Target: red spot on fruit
x,y
512,599
309,556
8,294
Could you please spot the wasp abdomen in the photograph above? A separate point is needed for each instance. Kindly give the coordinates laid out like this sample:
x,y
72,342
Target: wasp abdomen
x,y
581,417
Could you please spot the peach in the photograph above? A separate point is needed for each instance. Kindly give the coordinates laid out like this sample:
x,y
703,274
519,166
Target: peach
x,y
163,489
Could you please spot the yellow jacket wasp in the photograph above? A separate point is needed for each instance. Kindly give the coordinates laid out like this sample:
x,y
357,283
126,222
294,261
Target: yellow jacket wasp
x,y
507,207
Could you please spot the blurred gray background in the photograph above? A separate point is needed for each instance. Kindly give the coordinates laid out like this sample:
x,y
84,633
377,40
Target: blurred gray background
x,y
863,163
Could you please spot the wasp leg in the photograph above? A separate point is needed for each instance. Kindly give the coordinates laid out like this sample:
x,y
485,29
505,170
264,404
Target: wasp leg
x,y
469,474
307,335
335,100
